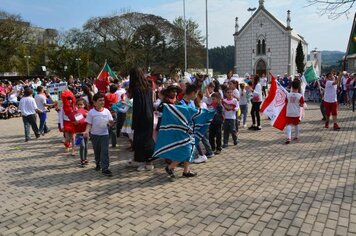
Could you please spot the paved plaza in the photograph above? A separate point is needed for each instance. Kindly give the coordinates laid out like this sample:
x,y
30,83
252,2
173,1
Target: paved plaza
x,y
260,187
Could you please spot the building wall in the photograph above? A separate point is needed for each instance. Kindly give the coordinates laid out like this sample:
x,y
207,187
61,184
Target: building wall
x,y
276,41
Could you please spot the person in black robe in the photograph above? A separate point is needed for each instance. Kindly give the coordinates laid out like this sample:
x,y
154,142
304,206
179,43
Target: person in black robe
x,y
142,119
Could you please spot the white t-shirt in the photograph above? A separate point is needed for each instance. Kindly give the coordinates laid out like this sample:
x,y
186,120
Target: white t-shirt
x,y
41,102
236,94
293,105
330,92
344,82
12,97
230,114
258,92
27,106
99,121
243,97
263,81
120,92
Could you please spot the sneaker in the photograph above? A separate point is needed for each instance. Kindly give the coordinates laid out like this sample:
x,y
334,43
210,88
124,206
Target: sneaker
x,y
189,174
287,141
224,146
132,163
326,125
258,128
252,127
107,173
210,155
149,167
170,172
141,167
97,168
82,164
336,126
200,159
236,142
245,126
217,152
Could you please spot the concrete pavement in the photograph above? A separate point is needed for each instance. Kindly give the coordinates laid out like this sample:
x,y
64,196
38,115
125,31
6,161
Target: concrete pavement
x,y
260,187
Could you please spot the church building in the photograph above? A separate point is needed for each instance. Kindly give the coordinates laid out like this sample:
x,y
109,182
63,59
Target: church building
x,y
266,44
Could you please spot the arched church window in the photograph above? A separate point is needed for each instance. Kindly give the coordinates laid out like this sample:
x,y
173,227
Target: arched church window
x,y
263,47
258,47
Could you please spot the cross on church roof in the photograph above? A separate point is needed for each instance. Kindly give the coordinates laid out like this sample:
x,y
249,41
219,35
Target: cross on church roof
x,y
261,3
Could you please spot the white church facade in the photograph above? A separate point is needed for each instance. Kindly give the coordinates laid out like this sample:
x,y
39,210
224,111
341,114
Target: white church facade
x,y
266,44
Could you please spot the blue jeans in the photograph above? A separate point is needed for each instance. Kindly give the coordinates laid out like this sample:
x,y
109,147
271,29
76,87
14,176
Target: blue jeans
x,y
101,150
244,109
43,126
83,147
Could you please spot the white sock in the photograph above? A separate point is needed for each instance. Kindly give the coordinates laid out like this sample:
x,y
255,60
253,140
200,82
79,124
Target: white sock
x,y
289,131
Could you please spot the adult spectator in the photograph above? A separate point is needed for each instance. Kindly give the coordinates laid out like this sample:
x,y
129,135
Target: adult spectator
x,y
330,99
142,119
28,109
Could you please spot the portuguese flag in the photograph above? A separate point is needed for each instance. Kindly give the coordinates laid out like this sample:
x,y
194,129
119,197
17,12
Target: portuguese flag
x,y
102,81
106,72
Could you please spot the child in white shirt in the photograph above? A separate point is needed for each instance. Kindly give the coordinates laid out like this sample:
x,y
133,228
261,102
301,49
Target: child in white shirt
x,y
295,101
98,120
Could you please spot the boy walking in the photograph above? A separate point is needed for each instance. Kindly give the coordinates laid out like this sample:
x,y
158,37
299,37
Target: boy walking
x,y
98,119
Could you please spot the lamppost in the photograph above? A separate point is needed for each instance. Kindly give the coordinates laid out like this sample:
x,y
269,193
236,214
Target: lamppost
x,y
78,61
185,39
27,65
65,70
252,50
268,64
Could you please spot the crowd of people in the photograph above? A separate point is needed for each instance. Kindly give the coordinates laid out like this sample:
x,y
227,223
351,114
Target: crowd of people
x,y
102,110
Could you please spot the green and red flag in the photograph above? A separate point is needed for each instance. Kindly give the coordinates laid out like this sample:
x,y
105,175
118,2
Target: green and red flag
x,y
102,81
106,72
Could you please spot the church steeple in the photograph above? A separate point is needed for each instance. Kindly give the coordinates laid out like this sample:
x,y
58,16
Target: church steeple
x,y
261,3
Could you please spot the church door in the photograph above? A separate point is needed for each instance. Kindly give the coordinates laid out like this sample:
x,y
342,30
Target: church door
x,y
261,67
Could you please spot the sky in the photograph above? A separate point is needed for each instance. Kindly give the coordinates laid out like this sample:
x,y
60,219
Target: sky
x,y
319,31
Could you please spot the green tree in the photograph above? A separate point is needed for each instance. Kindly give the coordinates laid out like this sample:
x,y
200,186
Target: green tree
x,y
222,59
299,58
13,33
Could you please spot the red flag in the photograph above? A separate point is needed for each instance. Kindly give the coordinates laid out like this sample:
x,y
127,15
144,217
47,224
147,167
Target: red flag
x,y
275,106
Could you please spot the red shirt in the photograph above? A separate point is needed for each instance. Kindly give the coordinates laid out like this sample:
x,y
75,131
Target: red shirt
x,y
110,99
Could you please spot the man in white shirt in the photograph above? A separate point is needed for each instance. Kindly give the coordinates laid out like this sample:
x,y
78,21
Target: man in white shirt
x,y
330,99
28,109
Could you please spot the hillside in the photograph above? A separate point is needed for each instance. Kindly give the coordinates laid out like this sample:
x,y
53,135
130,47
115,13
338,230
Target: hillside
x,y
329,58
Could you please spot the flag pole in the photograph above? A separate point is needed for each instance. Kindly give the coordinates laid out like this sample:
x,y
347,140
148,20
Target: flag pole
x,y
207,46
185,38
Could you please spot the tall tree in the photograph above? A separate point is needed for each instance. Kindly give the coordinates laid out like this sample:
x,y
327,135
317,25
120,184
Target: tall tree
x,y
13,33
222,59
299,58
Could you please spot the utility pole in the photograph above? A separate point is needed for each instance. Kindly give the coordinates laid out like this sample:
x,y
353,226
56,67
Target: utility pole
x,y
27,65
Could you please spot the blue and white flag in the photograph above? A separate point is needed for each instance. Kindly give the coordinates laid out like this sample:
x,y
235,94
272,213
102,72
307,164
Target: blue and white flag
x,y
181,129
